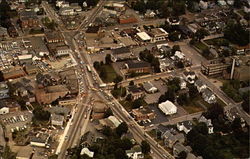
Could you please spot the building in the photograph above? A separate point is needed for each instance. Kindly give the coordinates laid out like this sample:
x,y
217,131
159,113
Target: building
x,y
168,108
28,19
158,34
208,123
88,139
4,90
51,93
214,67
185,126
137,67
136,92
208,96
135,152
3,33
178,148
86,151
67,11
150,14
57,120
121,53
54,37
126,19
149,87
111,121
200,85
40,140
62,51
170,139
67,102
92,31
143,36
143,114
189,76
13,73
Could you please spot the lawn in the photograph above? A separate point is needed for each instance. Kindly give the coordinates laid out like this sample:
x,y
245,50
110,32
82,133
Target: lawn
x,y
111,74
217,42
200,46
193,108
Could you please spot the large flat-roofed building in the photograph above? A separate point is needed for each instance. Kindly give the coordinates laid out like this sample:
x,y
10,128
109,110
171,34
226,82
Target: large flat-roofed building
x,y
53,37
142,114
137,67
158,34
121,53
126,19
143,36
214,67
168,108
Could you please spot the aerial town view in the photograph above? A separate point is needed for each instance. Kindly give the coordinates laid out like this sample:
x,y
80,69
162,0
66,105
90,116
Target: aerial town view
x,y
124,79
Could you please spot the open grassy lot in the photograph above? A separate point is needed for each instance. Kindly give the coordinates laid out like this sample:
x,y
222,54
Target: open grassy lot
x,y
200,46
111,74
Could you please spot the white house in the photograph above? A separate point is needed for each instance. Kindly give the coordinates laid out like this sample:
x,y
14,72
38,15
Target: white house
x,y
4,110
209,124
87,152
167,107
185,126
149,87
203,4
208,96
200,86
135,153
183,84
178,56
189,76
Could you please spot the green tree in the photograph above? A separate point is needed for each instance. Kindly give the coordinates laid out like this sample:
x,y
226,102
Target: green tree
x,y
8,154
176,48
103,73
1,76
236,125
118,79
145,147
182,155
183,99
137,103
108,59
97,65
215,111
40,114
108,113
126,144
174,36
122,129
193,92
200,34
131,83
107,131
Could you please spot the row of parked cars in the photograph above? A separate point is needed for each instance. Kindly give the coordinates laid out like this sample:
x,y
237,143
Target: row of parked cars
x,y
15,119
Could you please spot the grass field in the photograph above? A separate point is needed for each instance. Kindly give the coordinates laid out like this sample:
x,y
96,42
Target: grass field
x,y
111,74
200,46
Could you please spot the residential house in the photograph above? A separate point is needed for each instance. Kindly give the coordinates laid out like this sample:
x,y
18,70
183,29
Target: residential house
x,y
173,20
234,113
28,19
183,84
208,96
167,107
40,140
178,56
170,139
143,114
86,151
189,76
178,148
4,90
137,67
158,34
150,14
57,120
149,87
185,126
200,85
208,122
136,92
135,152
121,53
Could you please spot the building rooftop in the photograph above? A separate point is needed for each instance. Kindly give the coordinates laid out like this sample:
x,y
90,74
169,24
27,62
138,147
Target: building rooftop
x,y
56,117
137,64
56,88
121,50
93,29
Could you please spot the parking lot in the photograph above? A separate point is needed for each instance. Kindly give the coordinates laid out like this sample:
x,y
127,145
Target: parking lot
x,y
17,120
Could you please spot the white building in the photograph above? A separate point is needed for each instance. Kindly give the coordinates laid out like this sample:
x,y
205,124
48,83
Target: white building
x,y
167,107
62,50
189,76
135,153
209,124
143,36
208,96
149,87
200,86
185,126
87,152
114,120
4,110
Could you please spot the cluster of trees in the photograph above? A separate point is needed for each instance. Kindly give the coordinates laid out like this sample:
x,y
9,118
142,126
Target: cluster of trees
x,y
232,145
39,114
119,91
173,88
112,146
236,34
147,56
231,89
6,13
50,24
165,8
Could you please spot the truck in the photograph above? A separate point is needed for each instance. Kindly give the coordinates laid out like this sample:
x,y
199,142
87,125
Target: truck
x,y
103,85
